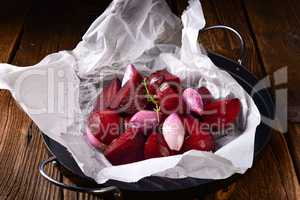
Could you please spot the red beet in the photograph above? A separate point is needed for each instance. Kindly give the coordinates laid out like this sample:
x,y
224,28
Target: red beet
x,y
126,121
222,112
104,125
157,78
106,96
156,146
191,124
206,95
199,140
127,148
132,74
130,98
94,141
169,99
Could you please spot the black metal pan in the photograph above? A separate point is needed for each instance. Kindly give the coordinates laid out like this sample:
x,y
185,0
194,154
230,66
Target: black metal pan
x,y
152,187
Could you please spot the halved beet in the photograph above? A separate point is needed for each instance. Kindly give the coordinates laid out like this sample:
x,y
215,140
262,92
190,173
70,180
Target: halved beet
x,y
94,141
130,98
156,146
131,74
222,111
104,125
190,123
199,140
169,99
206,95
157,78
127,148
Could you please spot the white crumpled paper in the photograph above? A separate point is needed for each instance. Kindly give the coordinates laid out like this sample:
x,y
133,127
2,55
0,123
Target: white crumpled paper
x,y
58,92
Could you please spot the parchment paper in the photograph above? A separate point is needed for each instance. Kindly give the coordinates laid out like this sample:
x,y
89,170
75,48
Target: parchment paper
x,y
58,92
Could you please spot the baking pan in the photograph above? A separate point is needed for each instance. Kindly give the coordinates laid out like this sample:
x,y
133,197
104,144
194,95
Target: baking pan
x,y
152,187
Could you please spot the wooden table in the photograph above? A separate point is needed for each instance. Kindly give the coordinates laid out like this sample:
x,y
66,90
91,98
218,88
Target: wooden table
x,y
29,30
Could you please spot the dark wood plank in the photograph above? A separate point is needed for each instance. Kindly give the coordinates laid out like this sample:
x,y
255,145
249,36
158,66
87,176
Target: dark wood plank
x,y
231,45
275,168
267,173
19,161
262,181
224,42
276,26
278,145
11,24
11,30
293,139
69,195
285,168
285,165
49,28
18,143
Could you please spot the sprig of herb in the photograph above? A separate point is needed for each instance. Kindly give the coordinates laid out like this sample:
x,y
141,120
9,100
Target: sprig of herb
x,y
151,99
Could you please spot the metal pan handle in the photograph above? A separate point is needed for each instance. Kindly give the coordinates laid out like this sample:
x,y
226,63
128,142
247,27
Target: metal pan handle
x,y
112,189
236,33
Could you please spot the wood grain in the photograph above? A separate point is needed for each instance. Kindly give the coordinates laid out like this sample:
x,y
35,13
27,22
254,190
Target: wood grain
x,y
278,35
268,172
293,139
224,42
277,31
18,143
50,28
11,26
230,42
21,145
281,156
